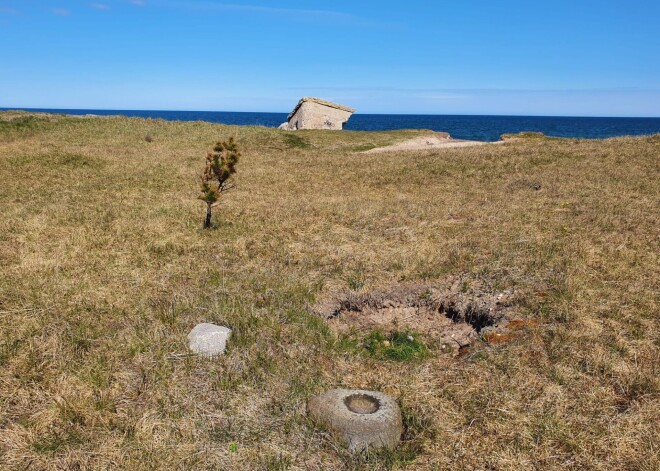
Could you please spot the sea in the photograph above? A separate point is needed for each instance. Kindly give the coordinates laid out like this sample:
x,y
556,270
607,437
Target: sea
x,y
473,127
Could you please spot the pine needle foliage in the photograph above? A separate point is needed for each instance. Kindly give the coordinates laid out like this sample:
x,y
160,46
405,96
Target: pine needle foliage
x,y
217,177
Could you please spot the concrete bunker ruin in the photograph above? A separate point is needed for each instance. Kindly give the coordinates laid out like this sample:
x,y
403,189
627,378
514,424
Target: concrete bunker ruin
x,y
314,113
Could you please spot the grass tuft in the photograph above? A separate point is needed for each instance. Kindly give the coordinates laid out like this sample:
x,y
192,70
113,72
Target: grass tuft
x,y
295,142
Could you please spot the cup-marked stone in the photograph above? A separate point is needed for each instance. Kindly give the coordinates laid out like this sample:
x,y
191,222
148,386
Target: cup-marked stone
x,y
362,419
208,340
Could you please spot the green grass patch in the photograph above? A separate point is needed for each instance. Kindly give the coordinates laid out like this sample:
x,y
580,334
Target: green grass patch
x,y
296,142
20,124
397,346
20,127
364,147
55,443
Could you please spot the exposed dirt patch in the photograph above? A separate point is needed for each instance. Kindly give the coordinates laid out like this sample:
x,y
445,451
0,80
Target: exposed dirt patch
x,y
452,315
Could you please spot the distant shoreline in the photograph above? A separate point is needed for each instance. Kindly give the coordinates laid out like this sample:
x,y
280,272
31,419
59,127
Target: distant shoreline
x,y
468,127
120,112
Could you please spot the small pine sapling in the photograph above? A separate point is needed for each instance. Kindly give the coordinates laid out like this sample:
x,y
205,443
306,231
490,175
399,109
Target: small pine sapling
x,y
217,176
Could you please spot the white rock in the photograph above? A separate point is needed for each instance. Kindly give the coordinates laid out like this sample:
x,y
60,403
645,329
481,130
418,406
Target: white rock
x,y
208,340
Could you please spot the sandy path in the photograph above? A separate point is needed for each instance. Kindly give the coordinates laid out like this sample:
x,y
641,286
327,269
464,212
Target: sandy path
x,y
440,141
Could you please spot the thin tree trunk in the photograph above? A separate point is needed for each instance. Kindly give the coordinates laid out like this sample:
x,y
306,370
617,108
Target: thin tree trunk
x,y
207,221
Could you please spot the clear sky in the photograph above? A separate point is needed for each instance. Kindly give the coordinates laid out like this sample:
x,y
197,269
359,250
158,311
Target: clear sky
x,y
529,57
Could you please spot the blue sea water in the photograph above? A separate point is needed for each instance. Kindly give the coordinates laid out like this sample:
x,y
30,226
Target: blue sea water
x,y
481,128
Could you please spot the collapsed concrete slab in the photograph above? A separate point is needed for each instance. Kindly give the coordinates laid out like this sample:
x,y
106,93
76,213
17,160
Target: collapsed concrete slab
x,y
314,113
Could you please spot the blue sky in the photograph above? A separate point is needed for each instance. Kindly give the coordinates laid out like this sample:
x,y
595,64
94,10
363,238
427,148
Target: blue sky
x,y
560,57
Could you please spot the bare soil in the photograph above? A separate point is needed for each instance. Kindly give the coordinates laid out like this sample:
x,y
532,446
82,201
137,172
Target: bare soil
x,y
452,315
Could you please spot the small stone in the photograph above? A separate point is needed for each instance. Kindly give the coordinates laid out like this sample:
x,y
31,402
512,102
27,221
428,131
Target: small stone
x,y
446,348
463,334
488,330
208,340
386,343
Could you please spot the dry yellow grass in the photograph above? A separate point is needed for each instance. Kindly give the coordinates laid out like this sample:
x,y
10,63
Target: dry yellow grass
x,y
105,268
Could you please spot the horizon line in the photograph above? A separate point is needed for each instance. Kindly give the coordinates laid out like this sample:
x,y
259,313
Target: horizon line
x,y
44,109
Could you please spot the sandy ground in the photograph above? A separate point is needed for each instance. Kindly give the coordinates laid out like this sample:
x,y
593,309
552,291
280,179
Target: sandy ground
x,y
439,140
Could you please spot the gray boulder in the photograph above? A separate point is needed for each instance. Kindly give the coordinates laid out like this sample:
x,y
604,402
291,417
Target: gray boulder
x,y
362,419
208,340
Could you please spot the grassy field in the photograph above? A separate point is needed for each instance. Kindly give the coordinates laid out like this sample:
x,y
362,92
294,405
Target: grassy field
x,y
104,268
